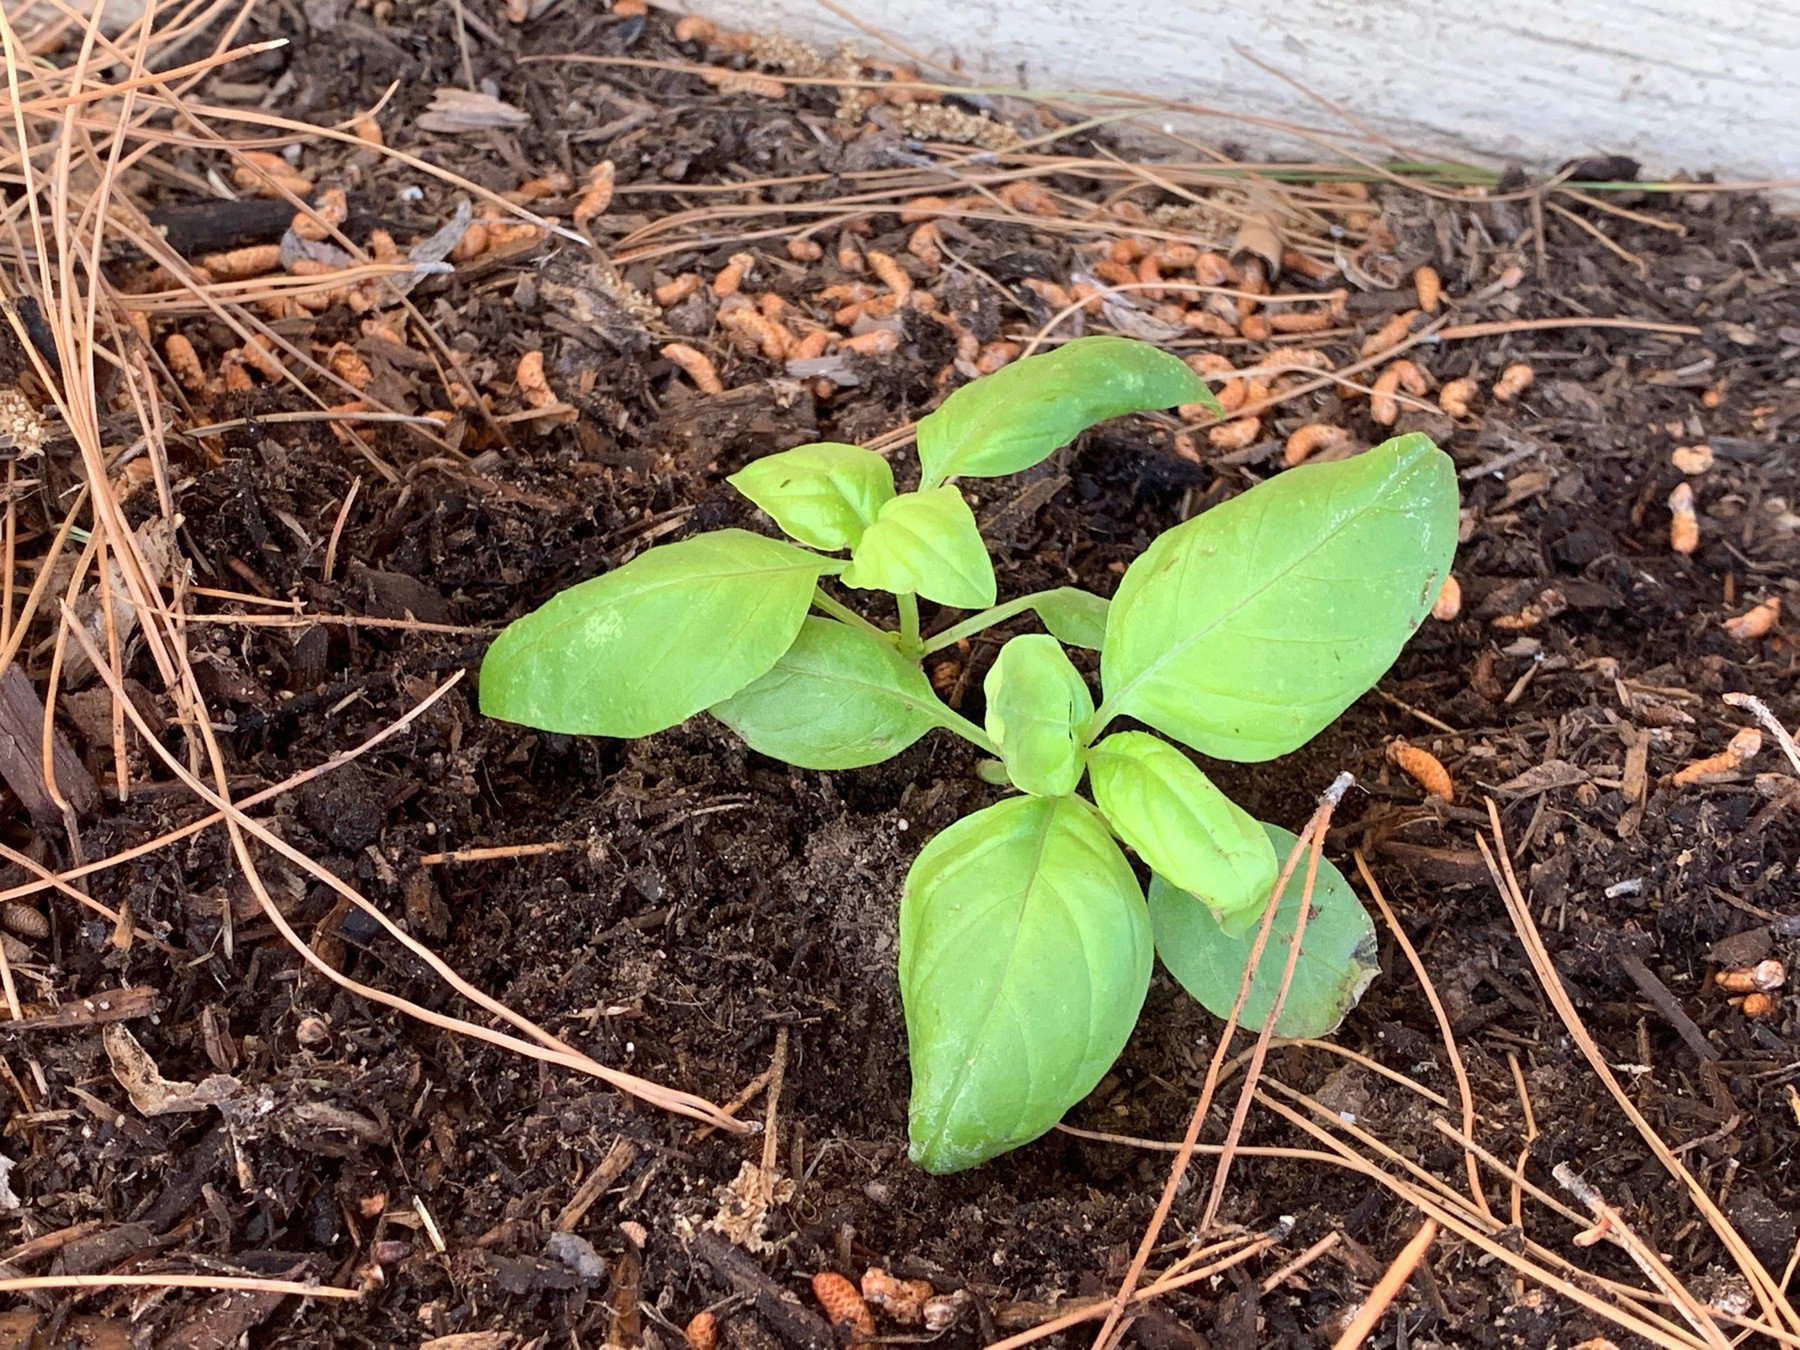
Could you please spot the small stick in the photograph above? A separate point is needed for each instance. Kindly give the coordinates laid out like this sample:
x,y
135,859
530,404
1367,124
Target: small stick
x,y
12,992
1088,1312
1435,723
1392,1282
115,1005
46,1243
1665,1003
608,1170
1753,705
739,1102
777,1072
337,529
489,854
226,1282
1302,1261
1609,1223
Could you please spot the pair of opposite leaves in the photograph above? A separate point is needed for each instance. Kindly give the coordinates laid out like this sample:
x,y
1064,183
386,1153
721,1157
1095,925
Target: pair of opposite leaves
x,y
1240,633
713,613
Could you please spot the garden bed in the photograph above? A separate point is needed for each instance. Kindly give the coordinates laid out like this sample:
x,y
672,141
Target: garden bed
x,y
686,911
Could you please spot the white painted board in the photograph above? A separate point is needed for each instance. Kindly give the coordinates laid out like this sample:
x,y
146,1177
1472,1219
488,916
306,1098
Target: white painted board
x,y
1701,85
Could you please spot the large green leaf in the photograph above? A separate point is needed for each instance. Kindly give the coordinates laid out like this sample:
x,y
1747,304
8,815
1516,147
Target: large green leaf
x,y
825,494
1076,617
1038,708
1014,418
1245,631
839,698
1024,959
1337,951
925,543
646,646
1189,832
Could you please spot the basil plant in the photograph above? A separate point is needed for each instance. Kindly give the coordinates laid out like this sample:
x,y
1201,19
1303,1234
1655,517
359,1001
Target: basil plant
x,y
1026,937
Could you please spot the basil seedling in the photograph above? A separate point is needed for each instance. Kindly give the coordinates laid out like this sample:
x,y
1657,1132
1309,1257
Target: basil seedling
x,y
1025,938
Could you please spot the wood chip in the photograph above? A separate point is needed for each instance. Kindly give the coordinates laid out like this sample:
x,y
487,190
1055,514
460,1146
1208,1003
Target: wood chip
x,y
456,111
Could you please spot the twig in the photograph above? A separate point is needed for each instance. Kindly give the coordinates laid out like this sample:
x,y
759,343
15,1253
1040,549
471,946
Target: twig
x,y
771,1115
1461,332
1612,1225
1389,1287
739,1102
1753,705
498,851
1302,1261
609,1169
26,1283
337,530
1092,1311
1665,1003
116,1005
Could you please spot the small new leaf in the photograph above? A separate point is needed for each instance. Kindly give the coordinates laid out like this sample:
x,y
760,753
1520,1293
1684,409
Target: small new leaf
x,y
1024,959
649,645
1337,951
925,543
1075,617
824,495
1015,417
1038,708
1245,631
1188,831
839,698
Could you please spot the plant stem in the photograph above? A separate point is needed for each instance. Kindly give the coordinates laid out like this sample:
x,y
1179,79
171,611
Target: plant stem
x,y
1097,723
977,623
844,614
910,646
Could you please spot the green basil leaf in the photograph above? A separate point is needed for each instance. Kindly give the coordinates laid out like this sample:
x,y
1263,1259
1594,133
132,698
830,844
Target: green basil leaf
x,y
839,698
1337,951
925,543
1188,831
1014,418
1245,631
1076,617
1038,708
1024,959
652,643
824,495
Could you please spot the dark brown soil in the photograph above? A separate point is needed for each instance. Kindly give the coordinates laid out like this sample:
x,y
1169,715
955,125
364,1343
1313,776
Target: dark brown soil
x,y
708,899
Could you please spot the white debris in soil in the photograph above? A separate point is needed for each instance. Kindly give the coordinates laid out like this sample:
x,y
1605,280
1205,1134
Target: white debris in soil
x,y
23,430
744,1206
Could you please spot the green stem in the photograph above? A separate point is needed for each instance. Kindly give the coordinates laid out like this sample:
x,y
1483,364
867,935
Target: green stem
x,y
844,614
910,646
978,623
1097,723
